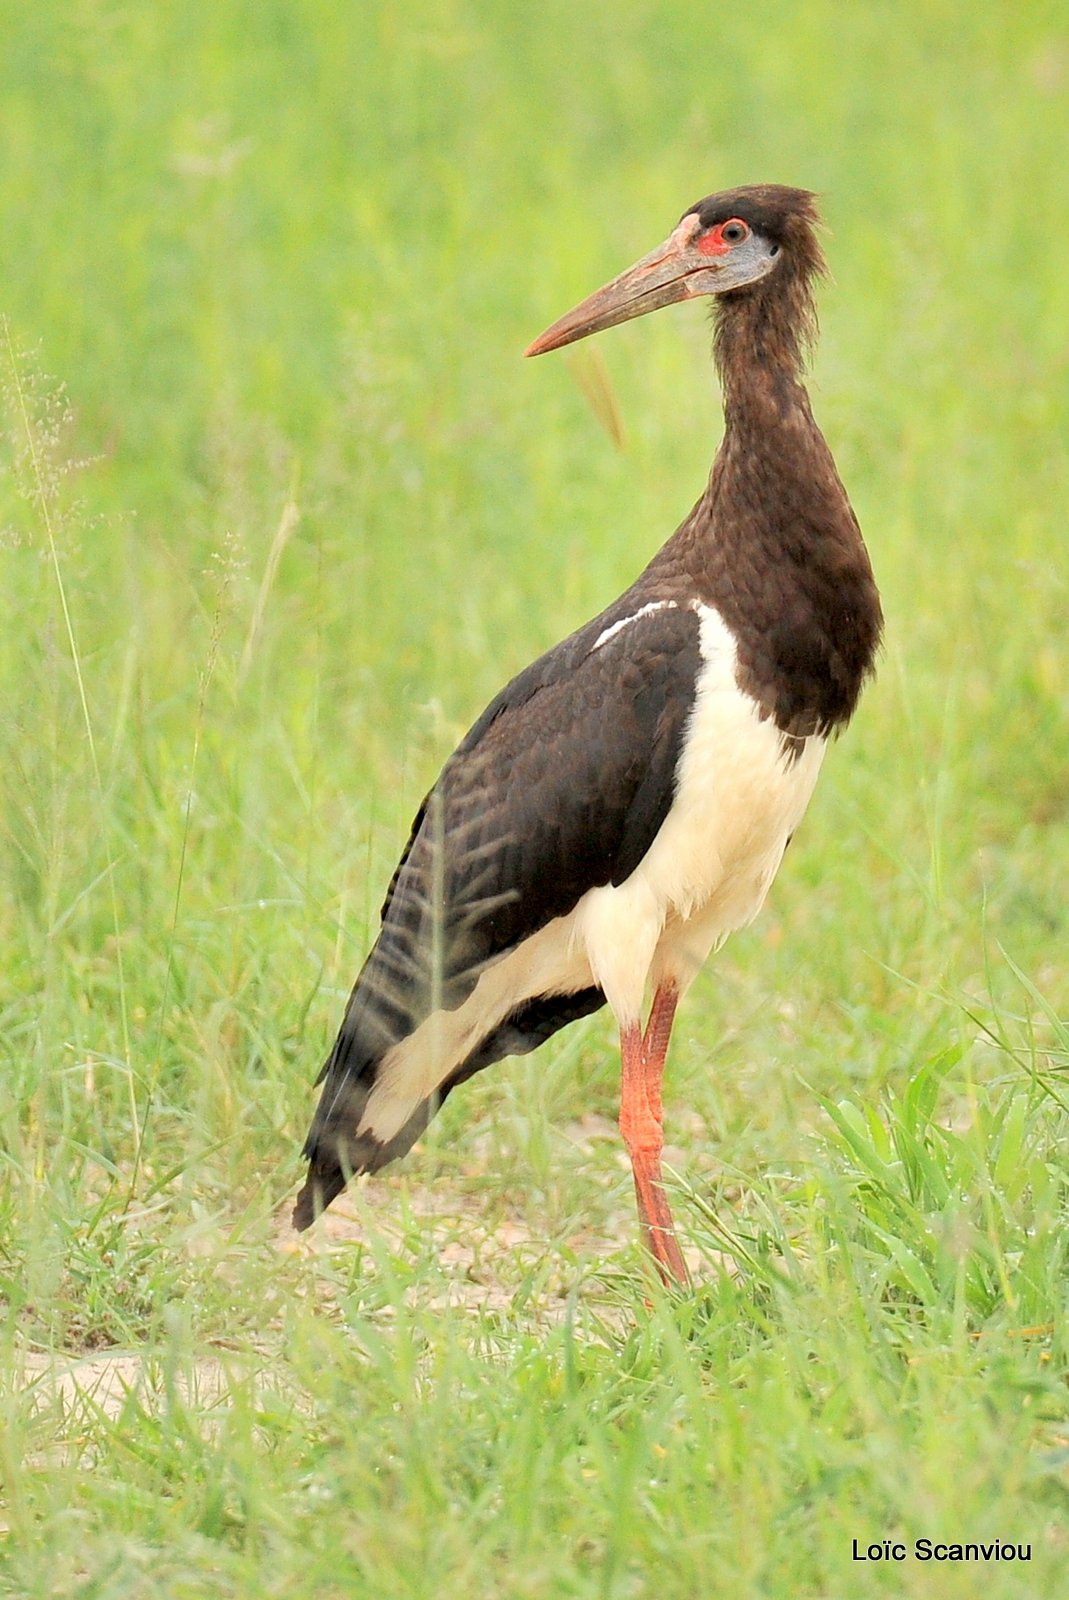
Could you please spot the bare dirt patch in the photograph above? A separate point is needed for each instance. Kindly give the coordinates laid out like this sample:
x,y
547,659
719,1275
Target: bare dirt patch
x,y
104,1381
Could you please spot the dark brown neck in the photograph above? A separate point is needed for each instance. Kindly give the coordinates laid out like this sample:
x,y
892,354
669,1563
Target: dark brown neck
x,y
774,494
763,335
773,544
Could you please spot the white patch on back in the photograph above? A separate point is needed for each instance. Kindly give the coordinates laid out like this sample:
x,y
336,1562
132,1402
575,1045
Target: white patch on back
x,y
624,622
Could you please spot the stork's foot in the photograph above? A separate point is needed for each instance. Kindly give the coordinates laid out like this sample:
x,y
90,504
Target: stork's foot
x,y
642,1129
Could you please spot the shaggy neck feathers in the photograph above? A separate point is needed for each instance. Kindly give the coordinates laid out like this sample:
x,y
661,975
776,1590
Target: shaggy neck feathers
x,y
773,543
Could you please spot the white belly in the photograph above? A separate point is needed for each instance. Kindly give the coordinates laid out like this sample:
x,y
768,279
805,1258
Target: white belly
x,y
738,799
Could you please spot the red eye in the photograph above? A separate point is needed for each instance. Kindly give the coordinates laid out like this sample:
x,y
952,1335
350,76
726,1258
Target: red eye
x,y
719,240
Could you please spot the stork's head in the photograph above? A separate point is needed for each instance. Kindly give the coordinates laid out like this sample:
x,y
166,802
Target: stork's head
x,y
724,243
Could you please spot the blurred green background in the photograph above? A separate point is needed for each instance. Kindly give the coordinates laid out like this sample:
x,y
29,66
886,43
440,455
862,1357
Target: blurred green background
x,y
280,508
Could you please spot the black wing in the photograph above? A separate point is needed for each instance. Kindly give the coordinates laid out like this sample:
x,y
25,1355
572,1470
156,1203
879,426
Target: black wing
x,y
560,786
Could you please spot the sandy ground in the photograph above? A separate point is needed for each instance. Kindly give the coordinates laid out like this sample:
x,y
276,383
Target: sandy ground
x,y
469,1247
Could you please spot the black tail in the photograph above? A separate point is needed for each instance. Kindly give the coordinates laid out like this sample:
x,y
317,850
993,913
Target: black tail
x,y
322,1185
336,1152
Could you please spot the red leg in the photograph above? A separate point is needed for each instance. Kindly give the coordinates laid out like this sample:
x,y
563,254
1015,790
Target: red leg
x,y
655,1041
641,1126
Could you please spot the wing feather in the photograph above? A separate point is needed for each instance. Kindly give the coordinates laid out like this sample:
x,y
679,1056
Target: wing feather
x,y
559,787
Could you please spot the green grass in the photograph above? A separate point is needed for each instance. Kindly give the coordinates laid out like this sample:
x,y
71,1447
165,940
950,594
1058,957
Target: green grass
x,y
280,508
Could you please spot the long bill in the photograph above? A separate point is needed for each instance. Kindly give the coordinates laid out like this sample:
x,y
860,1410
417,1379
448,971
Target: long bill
x,y
674,271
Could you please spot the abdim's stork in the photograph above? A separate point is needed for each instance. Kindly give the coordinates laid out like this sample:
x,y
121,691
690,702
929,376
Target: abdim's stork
x,y
625,802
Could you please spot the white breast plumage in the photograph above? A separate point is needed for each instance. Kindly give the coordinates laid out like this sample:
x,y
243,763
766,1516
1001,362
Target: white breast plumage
x,y
738,798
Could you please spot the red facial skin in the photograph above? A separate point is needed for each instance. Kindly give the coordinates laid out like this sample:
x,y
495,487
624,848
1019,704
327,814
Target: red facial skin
x,y
713,243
